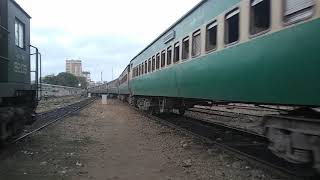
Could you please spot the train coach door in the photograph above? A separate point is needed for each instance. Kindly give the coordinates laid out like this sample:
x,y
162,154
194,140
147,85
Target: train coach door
x,y
4,41
129,70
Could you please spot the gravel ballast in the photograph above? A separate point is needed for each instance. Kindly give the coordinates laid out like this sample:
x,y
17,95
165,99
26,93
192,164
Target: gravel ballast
x,y
113,141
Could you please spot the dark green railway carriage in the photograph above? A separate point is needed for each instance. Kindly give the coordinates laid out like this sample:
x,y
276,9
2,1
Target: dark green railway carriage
x,y
247,51
124,84
17,94
280,66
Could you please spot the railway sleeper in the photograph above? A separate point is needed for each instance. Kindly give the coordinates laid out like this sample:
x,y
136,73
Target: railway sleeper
x,y
294,139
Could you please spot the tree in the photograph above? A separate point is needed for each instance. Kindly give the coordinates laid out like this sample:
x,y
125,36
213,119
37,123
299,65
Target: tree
x,y
66,79
83,82
51,79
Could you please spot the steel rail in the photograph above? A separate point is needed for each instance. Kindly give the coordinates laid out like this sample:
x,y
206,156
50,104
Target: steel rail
x,y
230,147
74,108
254,108
201,110
229,126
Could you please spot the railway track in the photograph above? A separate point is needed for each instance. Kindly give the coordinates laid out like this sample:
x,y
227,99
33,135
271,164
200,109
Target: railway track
x,y
245,145
46,119
255,108
224,113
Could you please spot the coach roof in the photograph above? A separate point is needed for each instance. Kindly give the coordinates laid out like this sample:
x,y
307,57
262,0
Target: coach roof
x,y
172,26
19,7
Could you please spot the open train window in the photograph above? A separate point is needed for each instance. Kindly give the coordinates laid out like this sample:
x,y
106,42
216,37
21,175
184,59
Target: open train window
x,y
153,63
196,43
149,65
139,70
169,55
211,36
260,16
185,48
134,72
296,10
142,68
232,24
19,34
158,61
163,58
176,52
145,67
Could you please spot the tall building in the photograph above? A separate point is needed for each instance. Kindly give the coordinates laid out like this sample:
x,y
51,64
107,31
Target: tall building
x,y
74,67
87,74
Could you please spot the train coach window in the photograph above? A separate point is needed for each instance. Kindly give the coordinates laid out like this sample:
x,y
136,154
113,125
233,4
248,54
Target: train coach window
x,y
176,52
232,27
260,16
145,67
211,36
142,68
139,71
169,55
19,34
196,43
163,59
134,72
185,48
153,63
158,61
149,65
296,10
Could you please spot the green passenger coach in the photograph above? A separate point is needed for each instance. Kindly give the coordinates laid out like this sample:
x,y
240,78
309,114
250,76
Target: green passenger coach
x,y
251,53
244,51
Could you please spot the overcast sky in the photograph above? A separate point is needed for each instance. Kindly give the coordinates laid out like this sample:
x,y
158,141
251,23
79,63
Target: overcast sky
x,y
104,34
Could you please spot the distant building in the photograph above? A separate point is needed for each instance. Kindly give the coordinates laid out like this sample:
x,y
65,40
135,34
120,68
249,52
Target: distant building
x,y
74,67
87,75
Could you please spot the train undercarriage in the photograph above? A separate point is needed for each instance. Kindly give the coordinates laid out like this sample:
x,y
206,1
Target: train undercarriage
x,y
294,136
15,113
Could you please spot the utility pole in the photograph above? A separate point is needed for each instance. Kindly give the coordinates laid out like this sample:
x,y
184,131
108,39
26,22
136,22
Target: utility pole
x,y
112,73
101,76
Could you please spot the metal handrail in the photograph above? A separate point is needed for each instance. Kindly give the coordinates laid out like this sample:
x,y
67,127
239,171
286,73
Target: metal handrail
x,y
37,83
5,58
5,29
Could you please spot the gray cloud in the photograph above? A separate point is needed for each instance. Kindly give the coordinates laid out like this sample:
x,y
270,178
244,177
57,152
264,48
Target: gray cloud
x,y
104,34
98,52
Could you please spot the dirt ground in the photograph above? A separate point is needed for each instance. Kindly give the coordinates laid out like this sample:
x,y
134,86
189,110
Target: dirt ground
x,y
114,142
56,102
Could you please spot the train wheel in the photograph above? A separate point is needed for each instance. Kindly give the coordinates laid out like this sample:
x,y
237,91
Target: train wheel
x,y
6,117
293,139
182,111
